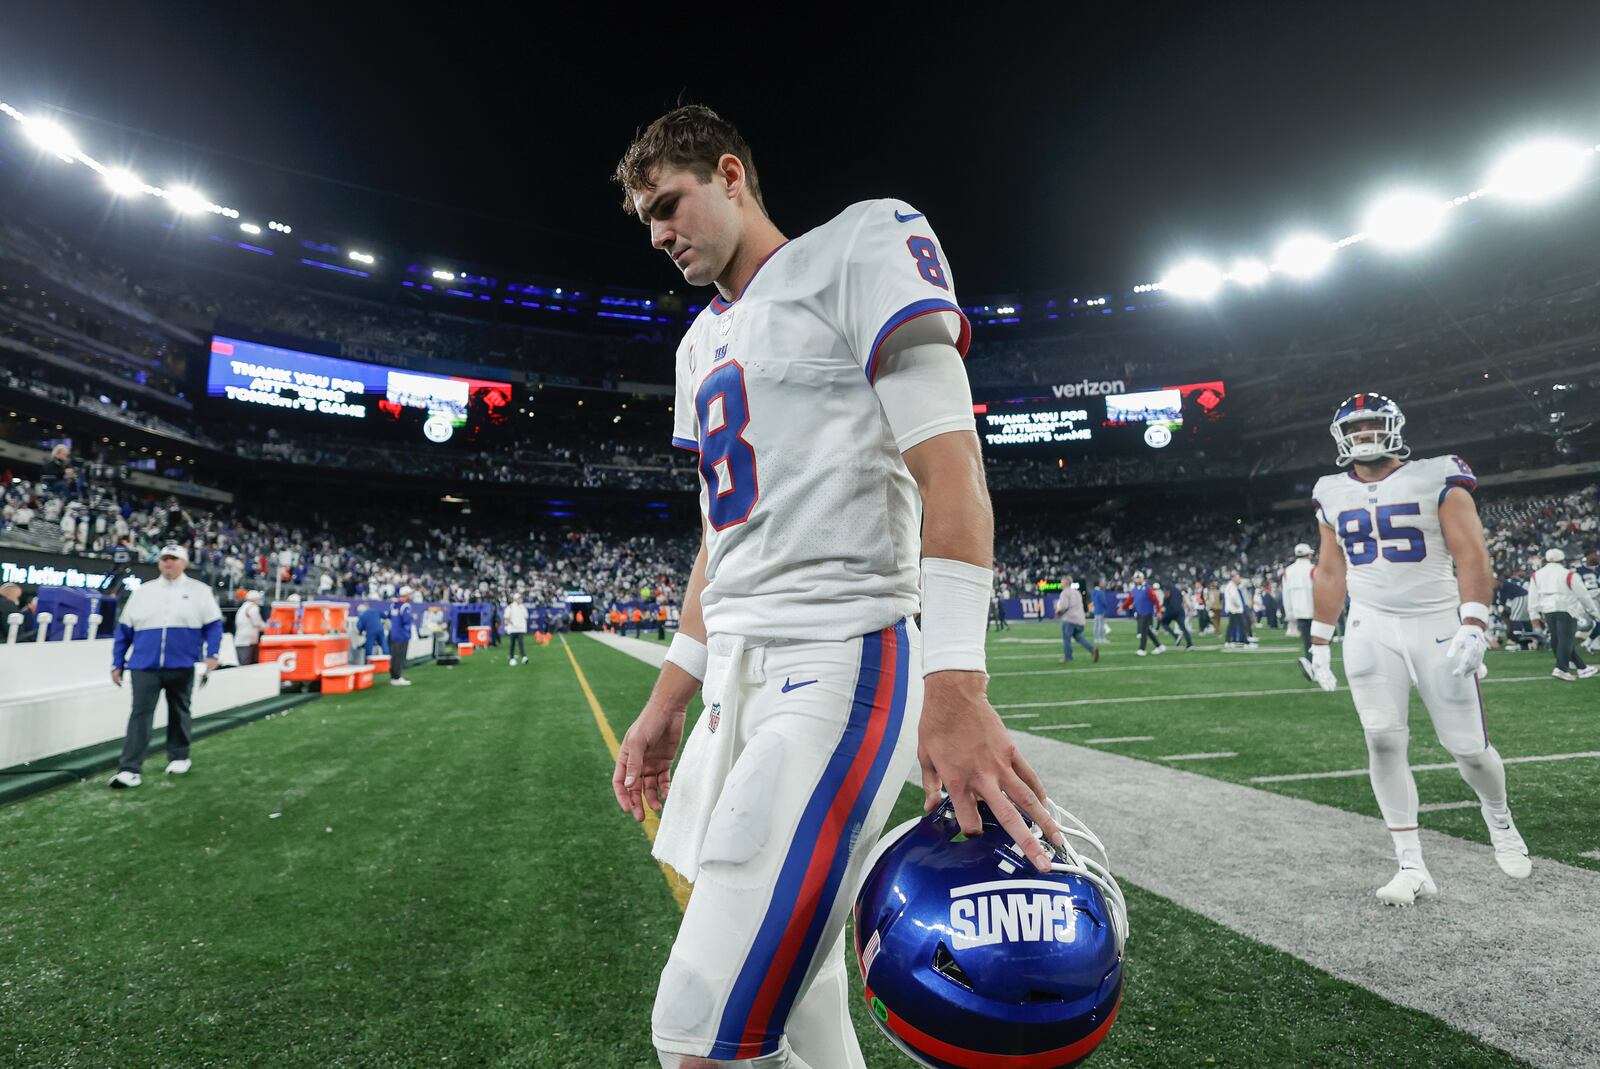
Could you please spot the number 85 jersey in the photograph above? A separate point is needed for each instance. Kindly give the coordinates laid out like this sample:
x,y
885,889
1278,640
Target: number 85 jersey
x,y
1393,544
813,522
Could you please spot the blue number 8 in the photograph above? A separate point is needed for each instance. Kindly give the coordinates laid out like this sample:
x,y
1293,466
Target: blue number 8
x,y
926,254
1355,527
727,463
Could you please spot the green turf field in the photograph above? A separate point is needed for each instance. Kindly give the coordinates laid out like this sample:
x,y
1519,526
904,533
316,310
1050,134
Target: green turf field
x,y
439,876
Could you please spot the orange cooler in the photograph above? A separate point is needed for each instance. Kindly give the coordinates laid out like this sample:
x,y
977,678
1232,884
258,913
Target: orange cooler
x,y
478,635
323,617
303,658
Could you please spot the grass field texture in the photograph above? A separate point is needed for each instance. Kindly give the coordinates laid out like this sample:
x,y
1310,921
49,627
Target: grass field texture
x,y
439,876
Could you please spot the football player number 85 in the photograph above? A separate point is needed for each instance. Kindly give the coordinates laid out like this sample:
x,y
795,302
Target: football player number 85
x,y
1397,542
727,463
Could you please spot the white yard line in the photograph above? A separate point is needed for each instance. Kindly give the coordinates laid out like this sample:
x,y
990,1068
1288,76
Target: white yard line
x,y
1199,756
1440,807
1592,855
1346,773
1020,716
1131,699
1122,738
1068,670
1057,727
1299,877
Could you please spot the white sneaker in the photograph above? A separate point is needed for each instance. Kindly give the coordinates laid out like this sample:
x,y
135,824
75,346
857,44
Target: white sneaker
x,y
178,768
1559,674
513,663
524,658
1510,852
399,682
1408,885
1161,649
1585,673
1140,653
125,779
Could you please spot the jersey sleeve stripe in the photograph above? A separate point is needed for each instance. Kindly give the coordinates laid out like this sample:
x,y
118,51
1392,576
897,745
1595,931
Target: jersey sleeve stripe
x,y
687,443
1453,481
915,310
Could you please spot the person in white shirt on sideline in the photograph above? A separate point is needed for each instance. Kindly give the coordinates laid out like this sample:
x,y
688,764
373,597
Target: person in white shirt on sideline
x,y
1069,610
247,628
1233,604
1556,597
1297,599
167,625
517,630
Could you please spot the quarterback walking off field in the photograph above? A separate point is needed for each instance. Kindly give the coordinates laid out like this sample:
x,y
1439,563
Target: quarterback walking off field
x,y
842,492
1403,536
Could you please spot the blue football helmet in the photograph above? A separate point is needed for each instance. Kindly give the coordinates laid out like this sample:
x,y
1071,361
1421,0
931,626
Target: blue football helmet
x,y
1367,445
971,958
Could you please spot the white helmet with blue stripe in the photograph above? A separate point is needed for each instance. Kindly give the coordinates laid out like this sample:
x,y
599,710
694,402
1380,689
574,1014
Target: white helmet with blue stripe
x,y
1364,444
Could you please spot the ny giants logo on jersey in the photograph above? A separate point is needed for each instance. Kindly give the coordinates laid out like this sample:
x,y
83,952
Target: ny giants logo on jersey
x,y
1033,916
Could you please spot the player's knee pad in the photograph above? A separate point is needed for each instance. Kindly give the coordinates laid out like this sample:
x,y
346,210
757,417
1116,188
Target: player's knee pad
x,y
1388,744
743,818
684,1002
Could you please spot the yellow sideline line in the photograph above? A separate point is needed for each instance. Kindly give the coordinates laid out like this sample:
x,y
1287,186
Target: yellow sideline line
x,y
676,883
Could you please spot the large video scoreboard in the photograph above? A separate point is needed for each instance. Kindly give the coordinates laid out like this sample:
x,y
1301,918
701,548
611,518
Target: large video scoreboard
x,y
1101,417
295,386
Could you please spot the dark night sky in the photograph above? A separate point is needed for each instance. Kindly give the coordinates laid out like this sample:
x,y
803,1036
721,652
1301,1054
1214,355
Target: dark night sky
x,y
1051,150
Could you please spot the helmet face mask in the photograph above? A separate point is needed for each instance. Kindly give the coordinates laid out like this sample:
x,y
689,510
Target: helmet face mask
x,y
968,953
1366,428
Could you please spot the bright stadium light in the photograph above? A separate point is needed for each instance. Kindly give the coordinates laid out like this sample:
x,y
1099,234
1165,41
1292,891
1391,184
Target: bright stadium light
x,y
52,137
444,276
1538,170
123,182
1405,220
188,201
1303,255
363,257
1194,279
250,228
1248,272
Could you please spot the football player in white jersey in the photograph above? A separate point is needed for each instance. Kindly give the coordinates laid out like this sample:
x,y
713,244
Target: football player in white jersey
x,y
1403,537
843,492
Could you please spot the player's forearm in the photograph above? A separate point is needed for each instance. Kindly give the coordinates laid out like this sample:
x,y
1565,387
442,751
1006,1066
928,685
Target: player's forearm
x,y
1327,596
1475,580
676,685
957,519
691,619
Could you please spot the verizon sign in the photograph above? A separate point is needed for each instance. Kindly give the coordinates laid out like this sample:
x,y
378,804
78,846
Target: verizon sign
x,y
1085,388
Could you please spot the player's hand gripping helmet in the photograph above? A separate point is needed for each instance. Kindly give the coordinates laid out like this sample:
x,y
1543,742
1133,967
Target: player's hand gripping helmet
x,y
972,959
1368,444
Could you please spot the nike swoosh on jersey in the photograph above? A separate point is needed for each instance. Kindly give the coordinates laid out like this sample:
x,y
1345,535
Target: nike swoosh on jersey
x,y
788,686
1440,641
906,218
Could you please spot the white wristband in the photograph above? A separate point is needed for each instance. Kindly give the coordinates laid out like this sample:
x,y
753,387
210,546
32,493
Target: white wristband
x,y
1477,610
1323,631
688,655
955,615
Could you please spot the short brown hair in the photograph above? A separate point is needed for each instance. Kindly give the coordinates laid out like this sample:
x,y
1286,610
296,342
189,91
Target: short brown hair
x,y
692,137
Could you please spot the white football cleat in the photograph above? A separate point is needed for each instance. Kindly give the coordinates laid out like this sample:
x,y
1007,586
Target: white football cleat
x,y
399,682
1510,852
1559,674
1408,885
123,780
1140,653
1161,649
178,768
1585,673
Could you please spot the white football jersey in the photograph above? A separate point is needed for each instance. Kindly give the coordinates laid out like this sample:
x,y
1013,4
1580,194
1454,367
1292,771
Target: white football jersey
x,y
1391,536
813,522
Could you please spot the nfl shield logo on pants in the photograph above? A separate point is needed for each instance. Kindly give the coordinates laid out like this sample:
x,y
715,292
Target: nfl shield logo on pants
x,y
715,717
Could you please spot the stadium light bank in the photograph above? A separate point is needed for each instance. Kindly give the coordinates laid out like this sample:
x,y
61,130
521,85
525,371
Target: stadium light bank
x,y
1537,170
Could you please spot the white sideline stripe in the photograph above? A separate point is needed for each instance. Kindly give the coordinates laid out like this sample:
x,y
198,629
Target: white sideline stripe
x,y
1188,837
1199,756
1421,768
1020,716
1307,689
1440,807
1123,738
1191,666
651,653
1058,727
1592,855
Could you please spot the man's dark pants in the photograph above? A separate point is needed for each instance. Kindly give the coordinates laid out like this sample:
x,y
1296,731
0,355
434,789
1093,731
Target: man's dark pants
x,y
1563,637
1305,635
247,654
518,644
148,686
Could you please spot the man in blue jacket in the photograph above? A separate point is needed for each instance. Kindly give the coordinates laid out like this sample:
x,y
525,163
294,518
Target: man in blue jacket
x,y
401,628
369,621
1143,603
167,626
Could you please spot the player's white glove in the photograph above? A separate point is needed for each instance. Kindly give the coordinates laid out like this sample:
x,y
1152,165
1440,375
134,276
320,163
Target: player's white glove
x,y
1322,668
1465,652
